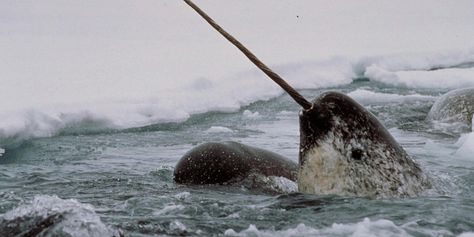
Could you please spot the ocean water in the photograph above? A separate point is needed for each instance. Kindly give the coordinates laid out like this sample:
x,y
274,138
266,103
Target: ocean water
x,y
120,181
99,100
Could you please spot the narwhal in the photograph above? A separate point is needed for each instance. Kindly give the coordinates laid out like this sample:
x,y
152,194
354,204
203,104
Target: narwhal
x,y
456,106
344,149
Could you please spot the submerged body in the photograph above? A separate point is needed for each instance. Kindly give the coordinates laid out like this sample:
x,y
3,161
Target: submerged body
x,y
230,162
345,150
456,106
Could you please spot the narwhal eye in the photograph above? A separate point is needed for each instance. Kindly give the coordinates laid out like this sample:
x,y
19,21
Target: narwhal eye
x,y
357,154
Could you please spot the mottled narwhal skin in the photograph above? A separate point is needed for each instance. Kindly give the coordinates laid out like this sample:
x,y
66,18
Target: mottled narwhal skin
x,y
230,162
345,150
454,106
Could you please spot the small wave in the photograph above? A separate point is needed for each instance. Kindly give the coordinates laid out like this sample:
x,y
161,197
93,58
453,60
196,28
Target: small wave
x,y
364,228
170,208
178,227
251,115
450,128
182,195
163,173
53,216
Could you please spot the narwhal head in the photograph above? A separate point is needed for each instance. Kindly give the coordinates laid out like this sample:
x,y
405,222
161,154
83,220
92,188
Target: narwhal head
x,y
345,150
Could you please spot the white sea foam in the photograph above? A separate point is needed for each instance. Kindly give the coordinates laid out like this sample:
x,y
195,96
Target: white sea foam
x,y
62,70
177,226
364,228
251,115
234,216
182,195
169,208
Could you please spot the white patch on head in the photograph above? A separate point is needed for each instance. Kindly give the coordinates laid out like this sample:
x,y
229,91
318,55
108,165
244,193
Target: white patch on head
x,y
320,174
329,168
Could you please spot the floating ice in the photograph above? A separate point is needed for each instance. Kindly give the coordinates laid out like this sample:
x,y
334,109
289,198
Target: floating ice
x,y
445,78
366,96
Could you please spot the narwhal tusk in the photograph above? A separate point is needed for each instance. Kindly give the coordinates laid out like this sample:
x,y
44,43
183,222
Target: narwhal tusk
x,y
275,77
